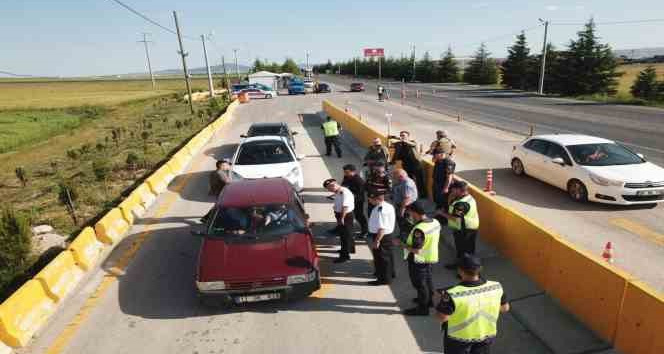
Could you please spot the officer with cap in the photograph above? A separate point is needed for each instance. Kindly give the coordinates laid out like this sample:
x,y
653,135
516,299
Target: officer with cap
x,y
331,131
442,142
381,226
469,310
421,252
463,219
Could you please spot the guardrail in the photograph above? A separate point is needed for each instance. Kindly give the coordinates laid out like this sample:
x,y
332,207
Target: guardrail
x,y
615,305
31,306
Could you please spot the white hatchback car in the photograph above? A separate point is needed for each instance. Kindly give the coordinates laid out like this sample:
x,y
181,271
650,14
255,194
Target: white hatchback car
x,y
590,168
268,157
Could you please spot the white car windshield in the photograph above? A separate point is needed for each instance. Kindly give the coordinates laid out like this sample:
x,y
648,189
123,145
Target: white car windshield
x,y
264,152
606,154
257,221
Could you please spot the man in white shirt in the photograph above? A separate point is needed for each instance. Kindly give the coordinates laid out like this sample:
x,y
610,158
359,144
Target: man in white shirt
x,y
344,204
381,227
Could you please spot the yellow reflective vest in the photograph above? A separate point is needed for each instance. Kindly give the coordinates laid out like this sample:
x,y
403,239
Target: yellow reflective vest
x,y
476,311
429,251
472,217
330,128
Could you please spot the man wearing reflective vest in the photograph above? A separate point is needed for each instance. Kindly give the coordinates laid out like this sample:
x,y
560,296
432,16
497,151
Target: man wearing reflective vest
x,y
469,310
331,130
463,219
421,252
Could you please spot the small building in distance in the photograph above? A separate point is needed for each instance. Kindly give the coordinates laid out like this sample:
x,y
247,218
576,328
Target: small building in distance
x,y
265,78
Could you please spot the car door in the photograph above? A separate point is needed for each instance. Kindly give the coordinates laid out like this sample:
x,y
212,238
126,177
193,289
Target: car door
x,y
535,157
554,173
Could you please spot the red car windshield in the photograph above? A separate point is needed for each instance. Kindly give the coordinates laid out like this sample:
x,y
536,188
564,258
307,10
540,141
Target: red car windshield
x,y
256,222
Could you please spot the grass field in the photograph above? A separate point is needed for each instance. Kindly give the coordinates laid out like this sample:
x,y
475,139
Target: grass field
x,y
26,127
36,94
631,72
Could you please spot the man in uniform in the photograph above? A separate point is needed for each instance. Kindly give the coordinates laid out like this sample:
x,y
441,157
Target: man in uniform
x,y
381,90
442,142
421,252
378,181
356,184
331,130
376,153
443,176
463,219
406,151
344,203
381,226
469,310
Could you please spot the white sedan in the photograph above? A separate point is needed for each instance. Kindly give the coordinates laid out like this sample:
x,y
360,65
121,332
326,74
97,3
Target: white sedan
x,y
590,168
255,92
268,157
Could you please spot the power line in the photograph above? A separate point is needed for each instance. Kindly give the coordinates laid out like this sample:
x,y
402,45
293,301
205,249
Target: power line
x,y
611,22
146,18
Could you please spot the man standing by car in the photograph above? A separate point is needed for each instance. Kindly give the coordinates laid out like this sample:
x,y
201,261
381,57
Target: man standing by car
x,y
381,226
463,219
331,130
404,193
443,175
219,178
344,203
356,185
406,151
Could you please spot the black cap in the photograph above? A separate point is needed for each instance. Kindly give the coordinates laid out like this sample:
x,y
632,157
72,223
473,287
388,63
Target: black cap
x,y
469,262
328,181
418,207
458,184
375,194
350,167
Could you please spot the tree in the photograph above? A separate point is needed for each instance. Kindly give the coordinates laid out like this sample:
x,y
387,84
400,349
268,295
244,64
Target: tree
x,y
447,70
646,86
481,70
258,65
425,69
588,67
515,68
289,66
15,245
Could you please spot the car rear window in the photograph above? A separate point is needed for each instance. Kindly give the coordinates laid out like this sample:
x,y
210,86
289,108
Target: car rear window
x,y
266,130
256,222
263,152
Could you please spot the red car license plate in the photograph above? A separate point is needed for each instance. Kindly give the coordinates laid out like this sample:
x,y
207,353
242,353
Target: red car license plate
x,y
257,298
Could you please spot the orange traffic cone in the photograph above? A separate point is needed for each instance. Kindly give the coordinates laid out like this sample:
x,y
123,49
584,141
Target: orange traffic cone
x,y
489,182
608,252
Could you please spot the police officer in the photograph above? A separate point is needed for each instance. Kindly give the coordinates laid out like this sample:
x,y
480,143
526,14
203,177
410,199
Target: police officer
x,y
331,130
463,219
378,181
381,90
469,310
357,186
381,226
376,153
405,150
442,142
421,252
344,204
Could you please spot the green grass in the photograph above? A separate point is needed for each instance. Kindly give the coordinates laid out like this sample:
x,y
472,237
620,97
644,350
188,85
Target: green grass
x,y
19,128
631,72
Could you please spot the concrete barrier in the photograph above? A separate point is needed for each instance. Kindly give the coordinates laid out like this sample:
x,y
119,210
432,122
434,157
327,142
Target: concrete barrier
x,y
86,249
131,208
146,196
612,303
112,227
159,180
641,321
60,276
23,313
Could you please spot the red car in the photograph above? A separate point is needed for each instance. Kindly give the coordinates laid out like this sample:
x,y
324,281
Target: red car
x,y
257,246
356,87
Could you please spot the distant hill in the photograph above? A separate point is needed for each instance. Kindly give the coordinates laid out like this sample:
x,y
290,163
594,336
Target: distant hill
x,y
217,69
639,53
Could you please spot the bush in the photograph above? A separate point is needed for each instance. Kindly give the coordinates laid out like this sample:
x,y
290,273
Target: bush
x,y
89,112
72,154
15,245
132,159
101,168
22,175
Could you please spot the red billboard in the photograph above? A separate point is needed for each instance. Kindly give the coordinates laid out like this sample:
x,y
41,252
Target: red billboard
x,y
374,52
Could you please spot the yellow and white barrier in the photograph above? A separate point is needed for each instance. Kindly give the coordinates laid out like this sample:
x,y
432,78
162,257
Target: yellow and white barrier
x,y
86,249
159,180
112,228
60,276
24,313
146,197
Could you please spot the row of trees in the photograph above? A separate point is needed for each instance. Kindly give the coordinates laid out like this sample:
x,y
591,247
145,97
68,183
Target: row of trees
x,y
585,67
289,66
647,87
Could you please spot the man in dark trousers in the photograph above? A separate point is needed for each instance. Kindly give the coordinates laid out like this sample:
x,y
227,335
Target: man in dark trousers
x,y
405,150
469,311
381,226
356,184
443,175
344,204
378,181
219,178
331,131
463,219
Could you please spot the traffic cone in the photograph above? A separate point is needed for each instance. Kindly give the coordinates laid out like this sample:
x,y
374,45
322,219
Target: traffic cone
x,y
608,252
489,182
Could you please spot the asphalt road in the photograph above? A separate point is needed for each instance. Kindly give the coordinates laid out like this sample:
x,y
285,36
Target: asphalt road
x,y
637,232
640,128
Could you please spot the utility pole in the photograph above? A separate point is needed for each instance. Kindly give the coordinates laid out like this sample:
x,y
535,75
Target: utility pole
x,y
544,48
147,55
380,74
307,61
207,65
223,65
355,66
413,58
184,62
237,68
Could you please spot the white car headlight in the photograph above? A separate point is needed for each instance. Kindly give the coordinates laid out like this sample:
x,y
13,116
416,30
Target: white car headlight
x,y
301,278
604,181
293,174
210,285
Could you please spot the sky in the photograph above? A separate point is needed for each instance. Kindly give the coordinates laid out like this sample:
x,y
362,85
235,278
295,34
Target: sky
x,y
99,37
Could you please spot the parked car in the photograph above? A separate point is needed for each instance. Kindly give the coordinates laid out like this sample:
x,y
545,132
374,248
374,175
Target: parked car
x,y
296,88
308,85
257,246
590,168
273,129
237,88
268,157
323,87
256,92
357,87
